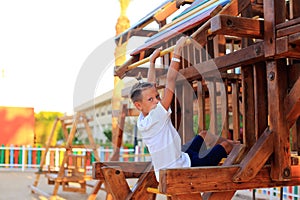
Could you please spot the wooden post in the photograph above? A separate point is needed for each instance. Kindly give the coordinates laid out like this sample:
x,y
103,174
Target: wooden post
x,y
236,110
248,106
187,108
277,90
274,13
118,135
213,125
201,106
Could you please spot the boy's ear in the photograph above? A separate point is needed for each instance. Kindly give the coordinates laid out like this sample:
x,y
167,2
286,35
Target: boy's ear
x,y
137,105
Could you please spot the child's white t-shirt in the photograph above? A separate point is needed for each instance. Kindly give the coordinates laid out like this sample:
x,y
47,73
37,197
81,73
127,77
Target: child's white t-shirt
x,y
162,140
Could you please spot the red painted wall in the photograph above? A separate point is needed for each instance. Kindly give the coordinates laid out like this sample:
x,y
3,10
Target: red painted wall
x,y
16,126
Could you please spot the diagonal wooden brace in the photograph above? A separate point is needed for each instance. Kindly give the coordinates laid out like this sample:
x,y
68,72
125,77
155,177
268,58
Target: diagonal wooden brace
x,y
256,158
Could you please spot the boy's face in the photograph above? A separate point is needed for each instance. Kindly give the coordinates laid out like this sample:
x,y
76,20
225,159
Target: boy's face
x,y
150,98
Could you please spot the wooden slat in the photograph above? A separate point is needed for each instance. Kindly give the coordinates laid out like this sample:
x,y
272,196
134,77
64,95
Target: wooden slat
x,y
201,107
256,158
235,111
213,121
224,108
294,9
237,26
187,111
292,104
277,89
287,23
217,179
261,98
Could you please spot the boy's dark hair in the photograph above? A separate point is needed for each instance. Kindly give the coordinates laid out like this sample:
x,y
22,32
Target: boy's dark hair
x,y
136,90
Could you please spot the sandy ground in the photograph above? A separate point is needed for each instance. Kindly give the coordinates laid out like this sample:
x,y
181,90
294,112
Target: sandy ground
x,y
16,185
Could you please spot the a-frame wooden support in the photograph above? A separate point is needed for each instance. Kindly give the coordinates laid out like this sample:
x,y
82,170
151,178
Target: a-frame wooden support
x,y
117,142
114,174
74,174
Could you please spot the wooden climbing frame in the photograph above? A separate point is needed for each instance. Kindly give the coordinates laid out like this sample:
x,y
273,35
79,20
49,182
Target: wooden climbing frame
x,y
258,105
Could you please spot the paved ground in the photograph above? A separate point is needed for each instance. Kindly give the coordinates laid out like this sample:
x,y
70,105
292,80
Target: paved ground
x,y
15,185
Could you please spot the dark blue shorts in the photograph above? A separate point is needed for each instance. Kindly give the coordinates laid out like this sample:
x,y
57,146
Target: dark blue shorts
x,y
201,156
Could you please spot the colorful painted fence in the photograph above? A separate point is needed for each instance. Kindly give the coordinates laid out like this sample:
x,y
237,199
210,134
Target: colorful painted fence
x,y
27,157
277,193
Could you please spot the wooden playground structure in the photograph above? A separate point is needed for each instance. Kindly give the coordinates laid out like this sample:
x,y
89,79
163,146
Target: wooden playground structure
x,y
71,174
259,105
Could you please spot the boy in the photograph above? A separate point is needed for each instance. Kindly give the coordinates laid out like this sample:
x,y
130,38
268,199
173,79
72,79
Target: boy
x,y
158,132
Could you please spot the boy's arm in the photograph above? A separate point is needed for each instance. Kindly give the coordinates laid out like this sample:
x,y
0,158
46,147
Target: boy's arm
x,y
151,77
172,74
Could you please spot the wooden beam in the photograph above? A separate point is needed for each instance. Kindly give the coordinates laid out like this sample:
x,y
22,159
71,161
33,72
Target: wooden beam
x,y
288,30
165,11
285,48
277,90
121,70
294,39
230,160
217,179
130,169
237,26
235,7
274,13
256,158
292,104
287,24
115,182
248,55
